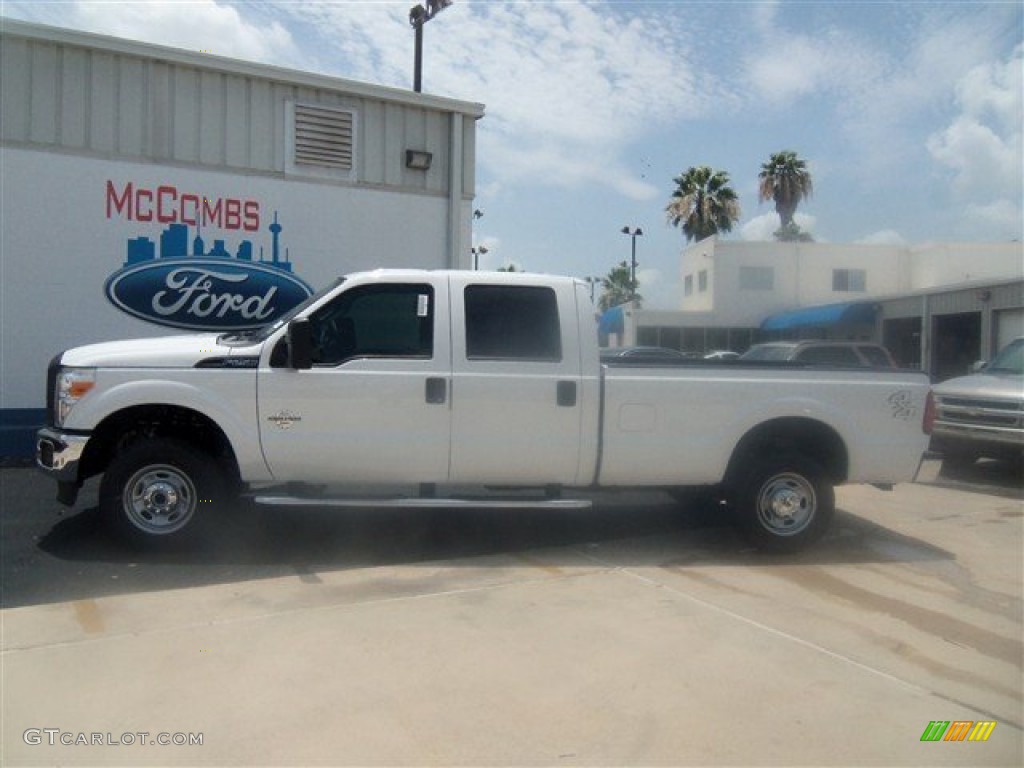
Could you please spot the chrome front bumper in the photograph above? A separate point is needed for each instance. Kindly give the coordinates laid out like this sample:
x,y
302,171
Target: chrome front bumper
x,y
59,454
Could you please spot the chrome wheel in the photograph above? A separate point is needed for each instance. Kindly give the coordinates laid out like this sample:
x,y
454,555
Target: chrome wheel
x,y
786,504
159,499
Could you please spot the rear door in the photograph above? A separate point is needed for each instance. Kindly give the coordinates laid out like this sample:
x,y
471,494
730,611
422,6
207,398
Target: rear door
x,y
516,381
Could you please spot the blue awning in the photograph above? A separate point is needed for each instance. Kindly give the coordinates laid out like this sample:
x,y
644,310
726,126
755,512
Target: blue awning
x,y
847,313
612,321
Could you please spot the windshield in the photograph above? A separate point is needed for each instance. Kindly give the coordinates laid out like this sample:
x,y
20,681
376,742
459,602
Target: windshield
x,y
1010,360
266,331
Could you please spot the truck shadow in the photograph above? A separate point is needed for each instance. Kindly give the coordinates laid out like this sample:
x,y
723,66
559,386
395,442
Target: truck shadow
x,y
270,541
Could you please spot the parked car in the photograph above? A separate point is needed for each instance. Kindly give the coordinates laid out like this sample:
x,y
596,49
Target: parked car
x,y
982,415
722,354
650,354
844,354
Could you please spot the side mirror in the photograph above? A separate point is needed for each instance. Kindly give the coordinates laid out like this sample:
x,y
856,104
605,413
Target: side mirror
x,y
300,344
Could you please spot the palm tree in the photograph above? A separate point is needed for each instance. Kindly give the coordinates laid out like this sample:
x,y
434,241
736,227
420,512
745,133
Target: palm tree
x,y
786,180
703,203
617,288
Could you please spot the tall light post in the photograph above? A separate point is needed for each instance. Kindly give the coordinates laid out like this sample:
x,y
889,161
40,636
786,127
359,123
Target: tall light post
x,y
593,282
634,234
477,251
418,16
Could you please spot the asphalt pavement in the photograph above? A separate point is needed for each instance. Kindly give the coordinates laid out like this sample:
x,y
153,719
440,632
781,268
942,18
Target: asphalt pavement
x,y
636,633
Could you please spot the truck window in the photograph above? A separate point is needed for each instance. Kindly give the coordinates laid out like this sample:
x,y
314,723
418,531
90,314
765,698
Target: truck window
x,y
825,355
511,322
375,321
876,356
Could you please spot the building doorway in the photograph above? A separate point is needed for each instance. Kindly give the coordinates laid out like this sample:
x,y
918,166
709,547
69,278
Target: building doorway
x,y
956,344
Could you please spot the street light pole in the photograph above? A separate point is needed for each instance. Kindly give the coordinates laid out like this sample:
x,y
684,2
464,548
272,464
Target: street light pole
x,y
418,16
477,252
633,234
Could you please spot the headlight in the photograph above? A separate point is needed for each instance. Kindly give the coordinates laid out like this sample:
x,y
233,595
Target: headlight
x,y
72,385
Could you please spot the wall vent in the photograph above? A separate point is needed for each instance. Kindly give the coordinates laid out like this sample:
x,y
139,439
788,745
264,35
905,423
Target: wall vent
x,y
323,137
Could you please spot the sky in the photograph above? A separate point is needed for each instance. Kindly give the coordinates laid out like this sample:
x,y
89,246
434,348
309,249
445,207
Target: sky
x,y
908,114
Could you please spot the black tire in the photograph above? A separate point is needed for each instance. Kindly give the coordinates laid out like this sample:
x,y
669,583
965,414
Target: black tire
x,y
784,504
157,491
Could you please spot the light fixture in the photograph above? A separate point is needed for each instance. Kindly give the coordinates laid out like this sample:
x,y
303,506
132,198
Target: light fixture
x,y
418,16
418,160
633,234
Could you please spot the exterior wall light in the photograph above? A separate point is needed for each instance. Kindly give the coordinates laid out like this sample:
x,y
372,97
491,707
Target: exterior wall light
x,y
418,160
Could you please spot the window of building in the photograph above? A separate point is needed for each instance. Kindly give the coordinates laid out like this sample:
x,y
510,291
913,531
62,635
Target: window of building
x,y
688,285
849,280
375,321
702,280
757,278
512,323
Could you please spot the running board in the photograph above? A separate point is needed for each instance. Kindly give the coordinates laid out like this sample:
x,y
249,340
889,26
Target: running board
x,y
413,502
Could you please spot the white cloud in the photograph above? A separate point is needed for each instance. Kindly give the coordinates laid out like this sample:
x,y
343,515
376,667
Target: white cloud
x,y
763,227
792,69
1002,216
191,24
982,145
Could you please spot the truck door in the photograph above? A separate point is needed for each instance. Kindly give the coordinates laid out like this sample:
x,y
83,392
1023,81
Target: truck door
x,y
516,414
374,408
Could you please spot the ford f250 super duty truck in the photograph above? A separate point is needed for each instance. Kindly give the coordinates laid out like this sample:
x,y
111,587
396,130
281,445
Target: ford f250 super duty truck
x,y
422,382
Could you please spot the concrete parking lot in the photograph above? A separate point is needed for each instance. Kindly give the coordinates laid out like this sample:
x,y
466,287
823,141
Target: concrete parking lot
x,y
637,633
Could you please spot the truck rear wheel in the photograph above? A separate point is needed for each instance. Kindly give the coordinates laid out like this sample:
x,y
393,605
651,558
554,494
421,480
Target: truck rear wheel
x,y
155,492
785,504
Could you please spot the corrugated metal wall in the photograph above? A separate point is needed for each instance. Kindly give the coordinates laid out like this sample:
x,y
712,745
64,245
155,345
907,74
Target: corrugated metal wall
x,y
124,100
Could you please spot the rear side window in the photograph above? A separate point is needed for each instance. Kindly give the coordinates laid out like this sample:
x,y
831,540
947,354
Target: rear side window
x,y
876,356
842,356
512,323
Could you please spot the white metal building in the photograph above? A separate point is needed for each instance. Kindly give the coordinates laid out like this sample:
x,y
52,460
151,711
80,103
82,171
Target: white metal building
x,y
148,189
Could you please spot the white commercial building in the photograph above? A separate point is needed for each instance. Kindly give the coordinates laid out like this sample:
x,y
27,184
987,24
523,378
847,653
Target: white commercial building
x,y
736,293
148,189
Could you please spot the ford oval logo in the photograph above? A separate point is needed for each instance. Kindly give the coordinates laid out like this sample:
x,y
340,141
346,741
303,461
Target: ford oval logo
x,y
205,294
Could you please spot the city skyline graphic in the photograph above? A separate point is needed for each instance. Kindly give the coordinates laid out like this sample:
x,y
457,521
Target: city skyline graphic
x,y
174,244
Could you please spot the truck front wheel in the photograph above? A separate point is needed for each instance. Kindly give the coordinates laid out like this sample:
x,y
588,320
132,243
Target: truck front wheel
x,y
154,491
785,504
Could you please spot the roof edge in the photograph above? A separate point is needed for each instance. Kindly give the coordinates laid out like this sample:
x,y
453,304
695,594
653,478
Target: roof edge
x,y
61,35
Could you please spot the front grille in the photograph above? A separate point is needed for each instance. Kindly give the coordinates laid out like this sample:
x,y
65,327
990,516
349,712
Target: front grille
x,y
51,387
982,412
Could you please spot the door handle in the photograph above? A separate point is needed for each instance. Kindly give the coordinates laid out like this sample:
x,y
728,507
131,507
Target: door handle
x,y
436,391
566,394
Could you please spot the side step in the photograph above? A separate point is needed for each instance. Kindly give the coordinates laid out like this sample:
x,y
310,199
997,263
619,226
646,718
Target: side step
x,y
414,502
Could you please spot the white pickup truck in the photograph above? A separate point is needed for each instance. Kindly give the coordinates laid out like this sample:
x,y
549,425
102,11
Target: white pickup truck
x,y
424,383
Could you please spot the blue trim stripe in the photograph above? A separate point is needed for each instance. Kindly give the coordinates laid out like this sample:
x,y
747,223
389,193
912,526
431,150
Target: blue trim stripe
x,y
18,431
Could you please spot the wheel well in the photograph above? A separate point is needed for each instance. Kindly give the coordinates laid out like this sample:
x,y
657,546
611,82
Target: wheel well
x,y
805,437
121,429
